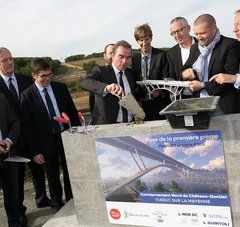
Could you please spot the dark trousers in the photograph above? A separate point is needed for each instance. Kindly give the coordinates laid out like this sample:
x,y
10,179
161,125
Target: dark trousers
x,y
52,168
9,180
38,179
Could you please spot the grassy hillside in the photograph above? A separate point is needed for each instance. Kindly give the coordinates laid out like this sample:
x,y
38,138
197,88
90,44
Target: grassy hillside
x,y
70,73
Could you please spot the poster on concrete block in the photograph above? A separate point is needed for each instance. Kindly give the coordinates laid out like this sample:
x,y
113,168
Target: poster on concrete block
x,y
166,180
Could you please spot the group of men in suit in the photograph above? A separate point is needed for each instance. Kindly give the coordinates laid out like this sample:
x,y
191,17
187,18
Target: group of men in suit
x,y
28,129
204,61
210,61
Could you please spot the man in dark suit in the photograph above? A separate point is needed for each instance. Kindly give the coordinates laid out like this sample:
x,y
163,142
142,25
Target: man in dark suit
x,y
178,54
224,78
109,83
150,64
212,54
12,85
10,129
40,103
108,51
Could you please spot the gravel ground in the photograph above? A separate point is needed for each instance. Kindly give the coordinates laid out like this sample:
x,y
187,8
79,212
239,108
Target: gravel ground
x,y
36,216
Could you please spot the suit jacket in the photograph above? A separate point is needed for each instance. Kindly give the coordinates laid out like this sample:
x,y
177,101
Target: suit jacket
x,y
37,125
9,123
106,107
23,82
225,58
158,65
174,57
158,71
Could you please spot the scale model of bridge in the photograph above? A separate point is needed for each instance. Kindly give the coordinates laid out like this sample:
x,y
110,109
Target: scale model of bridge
x,y
174,87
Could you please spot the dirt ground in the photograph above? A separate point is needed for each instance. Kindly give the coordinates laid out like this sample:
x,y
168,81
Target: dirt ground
x,y
36,216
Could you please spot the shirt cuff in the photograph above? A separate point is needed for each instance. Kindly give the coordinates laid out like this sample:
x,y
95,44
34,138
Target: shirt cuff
x,y
10,141
105,91
237,83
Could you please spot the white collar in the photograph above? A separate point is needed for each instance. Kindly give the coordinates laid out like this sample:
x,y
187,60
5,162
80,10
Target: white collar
x,y
116,70
41,87
6,78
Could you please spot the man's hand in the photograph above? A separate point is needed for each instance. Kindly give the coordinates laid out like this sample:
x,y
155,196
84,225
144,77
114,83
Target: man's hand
x,y
195,85
39,159
223,78
7,144
115,89
188,74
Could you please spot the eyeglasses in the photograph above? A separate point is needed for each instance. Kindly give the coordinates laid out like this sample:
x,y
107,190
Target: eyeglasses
x,y
46,75
180,30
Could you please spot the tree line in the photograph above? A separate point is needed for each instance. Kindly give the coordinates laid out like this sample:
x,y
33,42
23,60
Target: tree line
x,y
79,57
23,64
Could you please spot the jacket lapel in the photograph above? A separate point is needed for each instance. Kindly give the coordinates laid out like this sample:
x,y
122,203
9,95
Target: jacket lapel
x,y
57,95
152,62
39,99
4,89
214,55
179,57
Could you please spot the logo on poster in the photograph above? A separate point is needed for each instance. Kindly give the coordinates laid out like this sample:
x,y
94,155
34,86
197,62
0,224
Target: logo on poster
x,y
217,223
131,214
115,214
188,214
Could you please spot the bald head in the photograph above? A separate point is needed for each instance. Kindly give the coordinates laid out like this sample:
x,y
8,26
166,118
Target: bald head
x,y
205,18
205,29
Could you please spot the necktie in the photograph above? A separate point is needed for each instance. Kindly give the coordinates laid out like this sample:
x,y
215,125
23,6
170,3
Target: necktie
x,y
13,89
55,125
124,111
145,68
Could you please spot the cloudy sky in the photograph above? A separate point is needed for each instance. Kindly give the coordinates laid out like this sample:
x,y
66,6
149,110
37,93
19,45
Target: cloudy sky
x,y
59,28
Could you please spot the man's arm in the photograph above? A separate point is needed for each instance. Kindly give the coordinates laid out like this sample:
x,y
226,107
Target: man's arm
x,y
94,83
14,130
28,126
223,78
231,66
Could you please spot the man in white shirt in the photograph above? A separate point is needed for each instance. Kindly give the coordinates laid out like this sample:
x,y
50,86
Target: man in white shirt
x,y
178,54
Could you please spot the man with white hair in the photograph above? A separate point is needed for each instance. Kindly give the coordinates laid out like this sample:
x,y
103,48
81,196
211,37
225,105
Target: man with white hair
x,y
178,54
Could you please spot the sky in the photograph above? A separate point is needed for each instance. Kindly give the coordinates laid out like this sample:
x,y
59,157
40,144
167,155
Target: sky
x,y
60,28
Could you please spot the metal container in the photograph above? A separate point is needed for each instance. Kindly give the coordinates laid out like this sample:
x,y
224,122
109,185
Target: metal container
x,y
194,113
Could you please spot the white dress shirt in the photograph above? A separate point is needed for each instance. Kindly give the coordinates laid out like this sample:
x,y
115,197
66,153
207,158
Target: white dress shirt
x,y
127,89
53,99
185,52
237,83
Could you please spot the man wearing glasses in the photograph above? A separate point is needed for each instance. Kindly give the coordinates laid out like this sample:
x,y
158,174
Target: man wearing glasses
x,y
178,54
41,102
